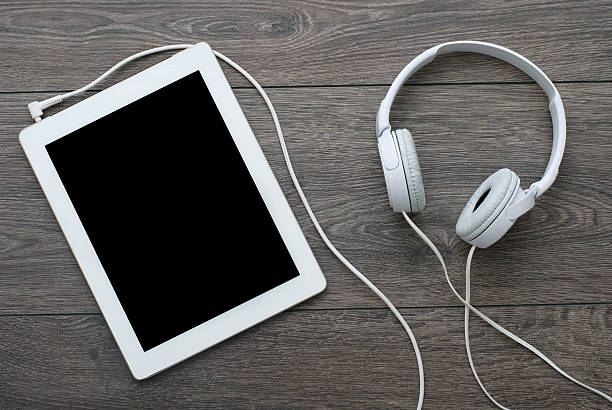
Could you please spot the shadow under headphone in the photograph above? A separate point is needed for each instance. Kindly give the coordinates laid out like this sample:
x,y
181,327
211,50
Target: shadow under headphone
x,y
499,200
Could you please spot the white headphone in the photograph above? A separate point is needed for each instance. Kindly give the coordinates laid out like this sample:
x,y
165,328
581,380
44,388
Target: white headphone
x,y
495,205
499,200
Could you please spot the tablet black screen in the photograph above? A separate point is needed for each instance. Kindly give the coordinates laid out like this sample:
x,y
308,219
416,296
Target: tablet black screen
x,y
171,210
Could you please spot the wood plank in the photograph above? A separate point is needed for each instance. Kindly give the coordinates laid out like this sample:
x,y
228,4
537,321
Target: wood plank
x,y
339,358
558,253
61,45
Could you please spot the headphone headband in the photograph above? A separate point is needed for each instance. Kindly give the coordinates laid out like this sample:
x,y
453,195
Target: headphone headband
x,y
555,104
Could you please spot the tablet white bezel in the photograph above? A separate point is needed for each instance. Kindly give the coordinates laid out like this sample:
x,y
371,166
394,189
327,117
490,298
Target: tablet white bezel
x,y
310,281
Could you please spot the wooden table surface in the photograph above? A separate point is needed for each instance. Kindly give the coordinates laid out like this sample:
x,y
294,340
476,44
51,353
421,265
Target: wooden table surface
x,y
326,65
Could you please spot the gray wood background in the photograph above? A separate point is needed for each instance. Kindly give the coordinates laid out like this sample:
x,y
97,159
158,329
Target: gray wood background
x,y
326,65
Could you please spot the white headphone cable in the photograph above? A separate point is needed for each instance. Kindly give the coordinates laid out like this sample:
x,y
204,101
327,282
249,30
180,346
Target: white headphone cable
x,y
36,109
322,234
501,329
466,329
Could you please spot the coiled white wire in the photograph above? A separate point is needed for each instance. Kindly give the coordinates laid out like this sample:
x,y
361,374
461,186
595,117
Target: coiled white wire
x,y
54,100
468,307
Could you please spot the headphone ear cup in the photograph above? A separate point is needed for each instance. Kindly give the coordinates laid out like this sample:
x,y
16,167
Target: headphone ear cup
x,y
412,170
485,205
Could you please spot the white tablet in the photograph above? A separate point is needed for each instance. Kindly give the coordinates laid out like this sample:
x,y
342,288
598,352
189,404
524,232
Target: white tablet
x,y
172,212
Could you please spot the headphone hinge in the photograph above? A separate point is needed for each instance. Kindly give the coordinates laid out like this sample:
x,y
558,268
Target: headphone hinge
x,y
523,202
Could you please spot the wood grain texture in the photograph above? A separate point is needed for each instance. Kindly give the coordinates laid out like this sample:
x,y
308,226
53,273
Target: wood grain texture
x,y
327,64
558,253
60,45
339,358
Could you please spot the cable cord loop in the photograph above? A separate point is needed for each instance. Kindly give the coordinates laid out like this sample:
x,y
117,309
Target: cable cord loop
x,y
469,307
36,108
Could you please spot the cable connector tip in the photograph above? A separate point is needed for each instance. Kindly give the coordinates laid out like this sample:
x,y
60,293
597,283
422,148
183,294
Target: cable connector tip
x,y
35,109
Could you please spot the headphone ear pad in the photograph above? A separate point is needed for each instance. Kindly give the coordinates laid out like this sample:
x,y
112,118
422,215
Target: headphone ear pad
x,y
485,205
412,170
